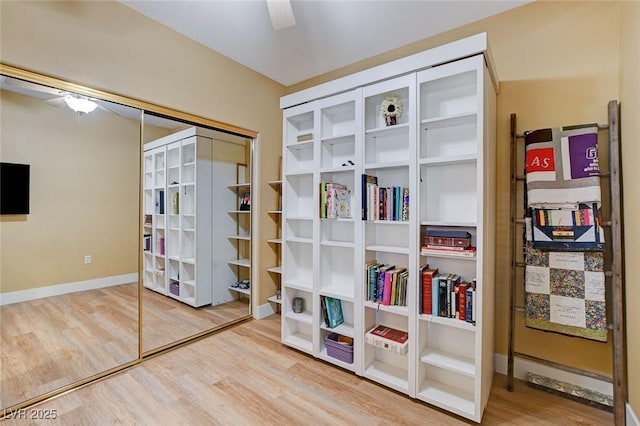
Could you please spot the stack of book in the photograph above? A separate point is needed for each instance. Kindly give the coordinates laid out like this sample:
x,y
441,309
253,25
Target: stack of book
x,y
388,338
447,241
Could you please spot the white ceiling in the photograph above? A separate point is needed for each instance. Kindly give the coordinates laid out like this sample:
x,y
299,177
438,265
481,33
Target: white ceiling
x,y
328,34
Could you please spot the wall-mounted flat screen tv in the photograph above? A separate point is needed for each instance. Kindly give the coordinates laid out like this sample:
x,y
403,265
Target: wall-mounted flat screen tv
x,y
14,188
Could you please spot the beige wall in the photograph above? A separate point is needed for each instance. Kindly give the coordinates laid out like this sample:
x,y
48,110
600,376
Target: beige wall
x,y
558,63
83,192
630,126
108,46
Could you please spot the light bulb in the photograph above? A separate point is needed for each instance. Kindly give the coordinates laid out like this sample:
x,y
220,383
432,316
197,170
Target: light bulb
x,y
80,103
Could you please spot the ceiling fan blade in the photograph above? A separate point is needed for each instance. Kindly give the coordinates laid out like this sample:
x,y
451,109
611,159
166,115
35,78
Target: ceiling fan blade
x,y
281,14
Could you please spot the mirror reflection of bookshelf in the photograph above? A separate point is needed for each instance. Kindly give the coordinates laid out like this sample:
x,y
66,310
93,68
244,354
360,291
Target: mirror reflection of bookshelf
x,y
275,272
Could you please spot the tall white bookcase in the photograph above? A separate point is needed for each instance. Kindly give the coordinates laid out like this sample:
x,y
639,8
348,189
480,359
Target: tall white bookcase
x,y
177,205
441,149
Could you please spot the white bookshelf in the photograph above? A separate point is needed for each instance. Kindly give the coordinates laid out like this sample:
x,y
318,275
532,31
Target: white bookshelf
x,y
177,198
240,214
276,243
442,150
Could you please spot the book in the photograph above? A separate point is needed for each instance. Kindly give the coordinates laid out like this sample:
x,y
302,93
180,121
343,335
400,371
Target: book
x,y
447,238
343,203
427,275
304,137
245,201
334,311
160,202
323,309
175,203
439,252
470,303
371,276
435,285
368,182
388,338
462,301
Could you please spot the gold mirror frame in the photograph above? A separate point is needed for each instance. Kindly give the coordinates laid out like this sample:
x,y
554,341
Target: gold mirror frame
x,y
144,107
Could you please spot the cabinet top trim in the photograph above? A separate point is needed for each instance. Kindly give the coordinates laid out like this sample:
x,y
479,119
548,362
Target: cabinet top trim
x,y
459,49
194,131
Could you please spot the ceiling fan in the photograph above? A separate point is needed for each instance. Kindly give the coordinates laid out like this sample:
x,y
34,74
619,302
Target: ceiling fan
x,y
78,103
281,14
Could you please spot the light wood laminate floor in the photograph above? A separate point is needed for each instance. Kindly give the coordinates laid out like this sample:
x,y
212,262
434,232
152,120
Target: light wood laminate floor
x,y
49,343
244,376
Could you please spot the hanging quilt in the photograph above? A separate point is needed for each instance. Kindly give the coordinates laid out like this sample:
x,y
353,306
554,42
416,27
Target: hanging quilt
x,y
562,166
565,292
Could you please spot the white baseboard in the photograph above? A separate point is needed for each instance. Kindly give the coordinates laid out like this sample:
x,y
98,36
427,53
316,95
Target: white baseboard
x,y
523,366
264,311
631,418
59,289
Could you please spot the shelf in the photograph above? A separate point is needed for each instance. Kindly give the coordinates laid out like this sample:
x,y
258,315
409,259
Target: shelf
x,y
300,145
299,240
299,341
389,375
275,182
274,211
450,322
451,224
275,269
447,397
245,263
239,211
343,329
246,291
394,309
386,165
449,159
346,244
451,362
324,356
274,299
338,169
451,255
338,292
239,237
388,249
298,285
299,218
449,120
387,222
388,130
275,241
239,185
303,317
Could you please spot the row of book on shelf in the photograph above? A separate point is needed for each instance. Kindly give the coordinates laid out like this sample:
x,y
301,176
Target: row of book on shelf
x,y
386,284
446,295
147,246
383,203
447,241
335,200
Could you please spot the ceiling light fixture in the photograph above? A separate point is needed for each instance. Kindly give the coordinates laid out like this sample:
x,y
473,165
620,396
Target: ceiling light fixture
x,y
281,14
80,103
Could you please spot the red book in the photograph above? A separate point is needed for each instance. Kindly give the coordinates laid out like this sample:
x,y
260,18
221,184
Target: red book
x,y
388,338
390,333
427,293
462,294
